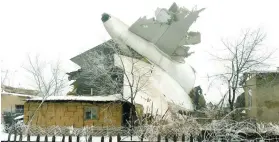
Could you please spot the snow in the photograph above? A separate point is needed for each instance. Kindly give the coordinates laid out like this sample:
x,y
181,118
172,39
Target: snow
x,y
19,117
3,135
115,97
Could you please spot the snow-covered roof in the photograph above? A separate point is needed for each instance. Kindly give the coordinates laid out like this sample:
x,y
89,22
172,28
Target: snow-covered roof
x,y
116,97
15,94
266,71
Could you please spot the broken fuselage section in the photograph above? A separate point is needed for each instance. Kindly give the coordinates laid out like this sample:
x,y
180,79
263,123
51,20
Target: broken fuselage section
x,y
168,30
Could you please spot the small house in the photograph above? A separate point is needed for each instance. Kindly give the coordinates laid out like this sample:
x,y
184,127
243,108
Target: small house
x,y
12,99
261,95
78,111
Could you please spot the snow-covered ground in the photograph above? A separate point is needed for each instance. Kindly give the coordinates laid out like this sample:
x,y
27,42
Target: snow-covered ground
x,y
3,136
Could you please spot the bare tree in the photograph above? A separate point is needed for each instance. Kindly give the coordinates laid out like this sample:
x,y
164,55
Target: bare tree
x,y
49,78
114,69
110,69
243,55
4,77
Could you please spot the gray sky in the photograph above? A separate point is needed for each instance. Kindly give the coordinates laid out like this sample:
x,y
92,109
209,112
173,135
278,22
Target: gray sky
x,y
66,28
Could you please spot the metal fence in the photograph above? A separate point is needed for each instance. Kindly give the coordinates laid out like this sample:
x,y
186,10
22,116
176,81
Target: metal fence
x,y
20,138
14,137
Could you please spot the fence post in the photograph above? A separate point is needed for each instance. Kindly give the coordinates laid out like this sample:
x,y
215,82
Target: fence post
x,y
118,138
20,137
28,137
90,138
191,138
38,138
141,139
63,138
199,138
15,134
110,139
102,139
70,138
78,138
174,138
183,138
53,138
9,136
46,139
159,138
166,139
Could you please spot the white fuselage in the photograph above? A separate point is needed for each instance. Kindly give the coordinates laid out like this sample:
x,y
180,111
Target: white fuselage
x,y
182,73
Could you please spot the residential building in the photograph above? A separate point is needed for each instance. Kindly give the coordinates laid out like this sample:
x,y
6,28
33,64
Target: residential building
x,y
97,69
13,99
262,95
78,111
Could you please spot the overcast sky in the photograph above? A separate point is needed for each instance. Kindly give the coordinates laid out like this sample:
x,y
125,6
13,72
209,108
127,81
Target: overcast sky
x,y
65,29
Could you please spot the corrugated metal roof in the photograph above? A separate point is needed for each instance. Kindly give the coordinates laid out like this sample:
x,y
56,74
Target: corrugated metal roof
x,y
116,97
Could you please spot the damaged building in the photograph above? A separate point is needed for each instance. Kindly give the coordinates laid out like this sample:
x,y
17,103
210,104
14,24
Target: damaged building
x,y
260,98
98,74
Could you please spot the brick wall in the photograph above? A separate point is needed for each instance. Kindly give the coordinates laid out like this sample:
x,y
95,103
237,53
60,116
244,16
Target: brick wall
x,y
72,113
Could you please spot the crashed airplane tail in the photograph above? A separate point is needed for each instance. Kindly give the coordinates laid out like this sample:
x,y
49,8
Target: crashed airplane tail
x,y
169,31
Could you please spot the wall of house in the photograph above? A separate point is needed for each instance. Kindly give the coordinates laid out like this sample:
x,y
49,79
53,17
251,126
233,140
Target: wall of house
x,y
265,100
72,114
251,109
8,102
268,100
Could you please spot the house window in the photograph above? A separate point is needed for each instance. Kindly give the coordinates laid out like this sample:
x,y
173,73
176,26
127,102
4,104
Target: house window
x,y
91,113
19,108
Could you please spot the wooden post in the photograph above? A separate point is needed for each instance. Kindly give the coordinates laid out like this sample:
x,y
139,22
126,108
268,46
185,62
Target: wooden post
x,y
78,138
118,138
38,138
159,138
230,139
9,137
166,139
53,138
141,139
183,138
110,139
63,138
28,137
90,138
46,138
174,138
70,138
20,137
199,138
191,139
15,134
102,139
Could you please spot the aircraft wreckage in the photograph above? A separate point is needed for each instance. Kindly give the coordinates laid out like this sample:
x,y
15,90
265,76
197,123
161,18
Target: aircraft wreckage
x,y
164,41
